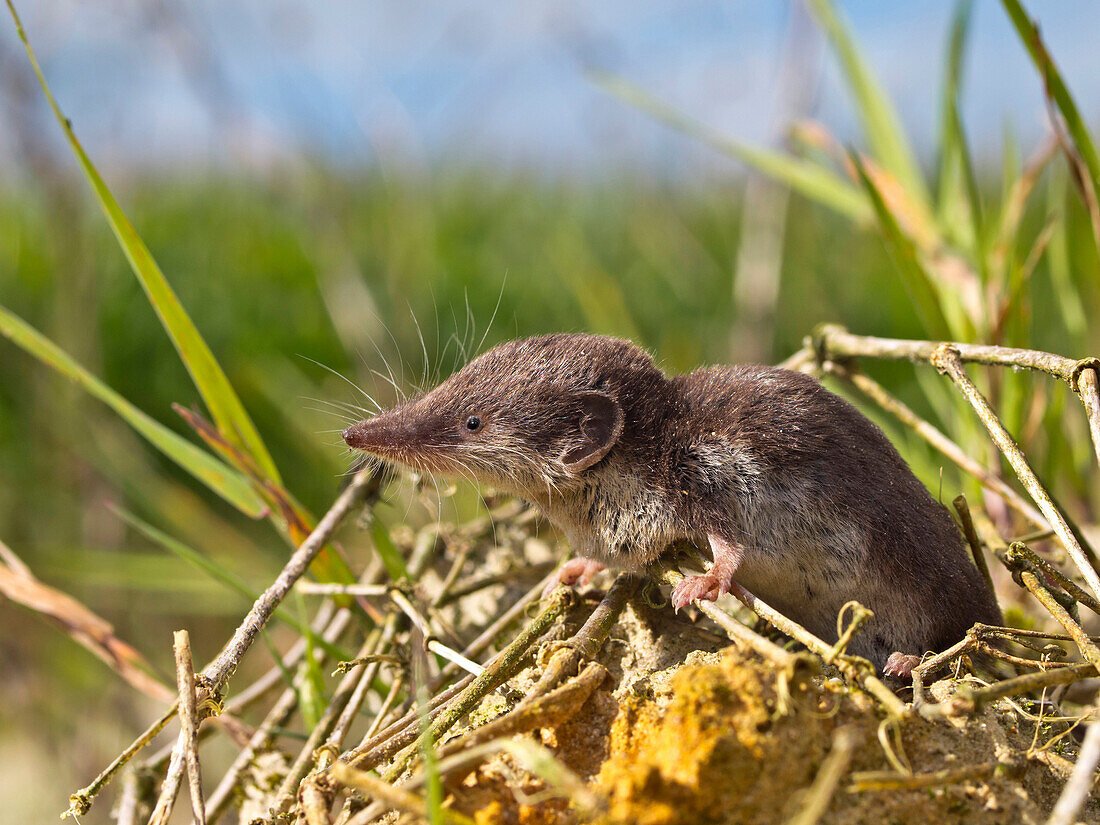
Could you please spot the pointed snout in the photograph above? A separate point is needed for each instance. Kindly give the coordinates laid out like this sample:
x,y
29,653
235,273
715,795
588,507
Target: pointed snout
x,y
384,435
352,437
366,435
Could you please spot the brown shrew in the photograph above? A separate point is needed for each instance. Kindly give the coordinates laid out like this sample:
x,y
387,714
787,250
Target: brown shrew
x,y
799,497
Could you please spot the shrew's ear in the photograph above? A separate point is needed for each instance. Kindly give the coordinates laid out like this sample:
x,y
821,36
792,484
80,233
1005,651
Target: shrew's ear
x,y
598,426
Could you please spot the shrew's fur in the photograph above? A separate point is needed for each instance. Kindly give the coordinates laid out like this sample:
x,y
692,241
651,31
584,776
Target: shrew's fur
x,y
627,461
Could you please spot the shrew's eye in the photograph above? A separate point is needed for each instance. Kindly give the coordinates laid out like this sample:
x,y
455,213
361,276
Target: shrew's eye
x,y
473,423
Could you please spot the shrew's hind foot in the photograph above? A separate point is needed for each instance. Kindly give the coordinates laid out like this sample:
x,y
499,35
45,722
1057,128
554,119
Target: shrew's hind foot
x,y
900,665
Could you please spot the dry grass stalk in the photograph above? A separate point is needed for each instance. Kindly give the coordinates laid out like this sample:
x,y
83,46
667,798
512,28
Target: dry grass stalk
x,y
567,681
189,722
817,797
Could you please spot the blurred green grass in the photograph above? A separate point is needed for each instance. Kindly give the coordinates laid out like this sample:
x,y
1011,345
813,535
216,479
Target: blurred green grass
x,y
311,278
321,268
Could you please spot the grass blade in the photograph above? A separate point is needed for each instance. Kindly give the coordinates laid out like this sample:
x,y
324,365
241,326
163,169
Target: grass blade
x,y
287,513
222,576
902,250
218,394
391,557
1071,305
881,125
803,176
218,476
963,190
1055,87
951,199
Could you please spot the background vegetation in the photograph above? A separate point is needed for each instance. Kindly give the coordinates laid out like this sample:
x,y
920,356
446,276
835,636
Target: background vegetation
x,y
311,277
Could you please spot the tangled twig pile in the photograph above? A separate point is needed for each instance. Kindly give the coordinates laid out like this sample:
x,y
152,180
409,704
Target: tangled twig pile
x,y
448,739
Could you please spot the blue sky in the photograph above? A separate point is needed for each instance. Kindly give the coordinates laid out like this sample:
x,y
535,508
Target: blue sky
x,y
504,83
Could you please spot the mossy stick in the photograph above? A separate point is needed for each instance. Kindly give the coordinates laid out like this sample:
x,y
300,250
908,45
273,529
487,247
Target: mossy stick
x,y
502,668
1089,650
81,801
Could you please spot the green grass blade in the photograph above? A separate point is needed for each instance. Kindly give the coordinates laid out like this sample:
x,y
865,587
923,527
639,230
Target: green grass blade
x,y
1071,305
391,557
1055,87
803,176
902,250
951,197
973,194
221,575
311,691
188,554
881,124
218,476
218,394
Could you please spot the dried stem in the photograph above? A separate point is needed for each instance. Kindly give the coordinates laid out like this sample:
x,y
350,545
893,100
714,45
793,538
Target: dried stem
x,y
393,797
877,393
1019,550
81,801
348,687
947,359
502,668
969,701
820,793
383,745
1081,780
833,342
489,634
536,711
967,522
189,722
1087,389
859,671
1088,649
737,631
891,781
276,717
170,788
364,483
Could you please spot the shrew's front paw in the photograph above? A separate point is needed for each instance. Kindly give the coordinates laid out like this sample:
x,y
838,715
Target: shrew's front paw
x,y
575,571
708,586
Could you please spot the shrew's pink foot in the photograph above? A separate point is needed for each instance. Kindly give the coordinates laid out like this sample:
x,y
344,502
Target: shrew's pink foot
x,y
900,665
713,583
692,588
575,571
